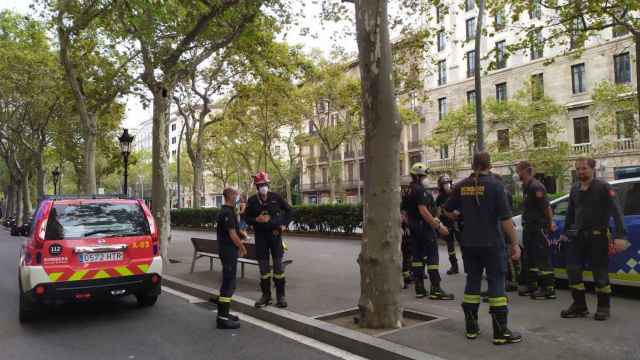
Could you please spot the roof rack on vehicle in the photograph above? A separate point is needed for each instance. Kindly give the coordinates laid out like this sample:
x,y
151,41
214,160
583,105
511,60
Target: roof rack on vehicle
x,y
93,196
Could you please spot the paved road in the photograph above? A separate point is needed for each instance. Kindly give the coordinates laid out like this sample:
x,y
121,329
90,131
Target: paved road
x,y
173,329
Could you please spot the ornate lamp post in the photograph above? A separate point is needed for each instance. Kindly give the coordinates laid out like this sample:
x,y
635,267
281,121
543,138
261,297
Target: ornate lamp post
x,y
56,177
125,149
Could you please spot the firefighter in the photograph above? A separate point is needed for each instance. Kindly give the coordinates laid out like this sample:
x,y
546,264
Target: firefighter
x,y
444,190
269,214
231,247
419,206
405,245
481,200
592,203
537,222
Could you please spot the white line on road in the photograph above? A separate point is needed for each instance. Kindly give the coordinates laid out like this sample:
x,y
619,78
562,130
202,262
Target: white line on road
x,y
331,350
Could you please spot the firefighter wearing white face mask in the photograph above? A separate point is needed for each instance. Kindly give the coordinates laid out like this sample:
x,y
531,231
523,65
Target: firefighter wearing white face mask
x,y
419,206
269,215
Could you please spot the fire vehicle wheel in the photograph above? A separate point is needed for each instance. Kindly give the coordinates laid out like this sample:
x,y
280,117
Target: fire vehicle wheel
x,y
146,300
27,311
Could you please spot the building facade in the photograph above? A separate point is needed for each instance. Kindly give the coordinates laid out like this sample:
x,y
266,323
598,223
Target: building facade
x,y
566,76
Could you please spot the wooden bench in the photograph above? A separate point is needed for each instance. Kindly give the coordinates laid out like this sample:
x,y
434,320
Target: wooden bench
x,y
209,248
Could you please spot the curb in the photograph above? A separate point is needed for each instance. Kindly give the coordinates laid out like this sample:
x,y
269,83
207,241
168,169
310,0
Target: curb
x,y
354,342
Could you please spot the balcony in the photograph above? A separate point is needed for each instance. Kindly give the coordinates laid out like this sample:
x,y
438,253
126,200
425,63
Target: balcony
x,y
414,144
349,154
441,164
627,145
315,187
323,158
584,148
352,184
361,152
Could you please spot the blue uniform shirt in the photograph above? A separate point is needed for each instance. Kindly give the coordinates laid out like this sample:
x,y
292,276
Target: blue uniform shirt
x,y
483,205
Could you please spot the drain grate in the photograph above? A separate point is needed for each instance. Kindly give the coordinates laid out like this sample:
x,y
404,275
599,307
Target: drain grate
x,y
349,319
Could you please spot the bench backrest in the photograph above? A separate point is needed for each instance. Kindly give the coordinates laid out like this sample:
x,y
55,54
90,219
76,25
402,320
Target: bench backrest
x,y
211,246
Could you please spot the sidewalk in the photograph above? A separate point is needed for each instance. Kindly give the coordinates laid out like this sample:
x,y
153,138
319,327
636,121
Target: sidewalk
x,y
324,278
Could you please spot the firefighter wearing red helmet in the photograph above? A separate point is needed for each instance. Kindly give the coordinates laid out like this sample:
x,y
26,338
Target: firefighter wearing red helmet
x,y
269,215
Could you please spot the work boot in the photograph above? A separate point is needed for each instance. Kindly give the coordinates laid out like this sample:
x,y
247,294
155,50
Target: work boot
x,y
230,316
437,293
224,320
454,265
548,293
281,302
604,307
471,320
265,286
501,333
527,290
420,290
578,308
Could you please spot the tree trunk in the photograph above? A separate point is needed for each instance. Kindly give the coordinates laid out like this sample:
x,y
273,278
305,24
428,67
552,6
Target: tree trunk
x,y
332,178
17,209
90,143
478,81
8,210
40,174
198,180
88,120
380,278
160,169
26,200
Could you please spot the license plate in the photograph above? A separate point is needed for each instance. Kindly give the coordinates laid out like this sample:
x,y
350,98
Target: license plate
x,y
101,257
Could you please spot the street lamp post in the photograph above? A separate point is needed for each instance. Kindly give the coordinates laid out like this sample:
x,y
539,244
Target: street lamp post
x,y
125,149
56,177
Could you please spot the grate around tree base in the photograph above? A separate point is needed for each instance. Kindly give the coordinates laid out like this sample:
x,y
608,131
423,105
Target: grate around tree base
x,y
349,319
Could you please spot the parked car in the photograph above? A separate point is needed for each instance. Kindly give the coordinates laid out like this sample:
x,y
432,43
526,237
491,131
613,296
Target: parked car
x,y
624,267
86,248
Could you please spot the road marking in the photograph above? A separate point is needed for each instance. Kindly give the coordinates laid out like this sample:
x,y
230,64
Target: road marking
x,y
189,298
326,348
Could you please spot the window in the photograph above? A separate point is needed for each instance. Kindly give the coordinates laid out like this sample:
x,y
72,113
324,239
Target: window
x,y
413,101
500,20
535,9
401,167
537,87
361,170
537,45
325,175
471,60
471,97
622,68
578,80
444,152
560,208
415,133
469,5
312,175
350,171
625,125
74,222
312,128
581,130
632,200
471,29
173,127
540,135
311,151
501,92
442,108
576,31
173,140
503,140
277,150
442,72
501,60
174,152
442,40
620,30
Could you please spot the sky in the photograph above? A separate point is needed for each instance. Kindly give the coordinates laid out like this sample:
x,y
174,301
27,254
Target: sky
x,y
321,39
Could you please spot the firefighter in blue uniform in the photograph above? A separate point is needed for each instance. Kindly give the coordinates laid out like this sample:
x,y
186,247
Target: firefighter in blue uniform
x,y
444,190
420,209
269,214
231,247
481,200
405,246
592,203
538,224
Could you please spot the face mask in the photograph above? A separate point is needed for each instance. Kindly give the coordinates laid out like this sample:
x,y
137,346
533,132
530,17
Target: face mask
x,y
425,182
263,190
447,187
